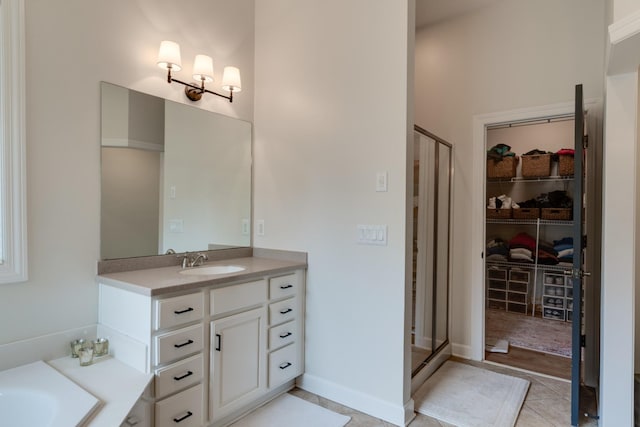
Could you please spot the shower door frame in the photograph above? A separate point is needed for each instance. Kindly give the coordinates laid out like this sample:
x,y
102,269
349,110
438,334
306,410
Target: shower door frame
x,y
436,350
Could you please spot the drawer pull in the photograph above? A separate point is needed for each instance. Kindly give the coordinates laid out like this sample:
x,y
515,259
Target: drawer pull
x,y
183,344
219,342
188,374
285,365
287,286
286,334
183,311
177,420
286,310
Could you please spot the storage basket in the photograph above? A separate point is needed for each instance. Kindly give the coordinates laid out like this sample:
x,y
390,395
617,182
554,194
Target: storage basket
x,y
562,214
526,213
565,165
505,168
536,166
499,213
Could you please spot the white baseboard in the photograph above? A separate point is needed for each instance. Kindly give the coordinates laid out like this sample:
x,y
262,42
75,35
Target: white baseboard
x,y
462,350
45,347
399,415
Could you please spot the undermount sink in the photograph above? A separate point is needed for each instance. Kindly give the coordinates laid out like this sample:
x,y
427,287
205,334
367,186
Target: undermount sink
x,y
214,269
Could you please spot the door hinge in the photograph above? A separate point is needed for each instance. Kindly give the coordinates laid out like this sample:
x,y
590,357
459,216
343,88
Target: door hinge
x,y
583,340
585,141
584,241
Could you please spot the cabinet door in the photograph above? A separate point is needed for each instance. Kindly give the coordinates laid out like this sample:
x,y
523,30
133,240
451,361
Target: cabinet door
x,y
238,359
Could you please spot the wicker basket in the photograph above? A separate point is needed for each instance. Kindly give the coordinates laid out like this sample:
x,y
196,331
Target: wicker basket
x,y
562,214
505,168
526,213
536,166
565,165
499,213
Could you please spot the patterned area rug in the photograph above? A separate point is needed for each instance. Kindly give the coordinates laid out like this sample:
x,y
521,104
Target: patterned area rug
x,y
549,336
466,396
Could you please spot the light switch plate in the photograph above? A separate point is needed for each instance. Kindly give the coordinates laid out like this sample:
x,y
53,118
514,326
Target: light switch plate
x,y
260,227
176,226
381,181
372,234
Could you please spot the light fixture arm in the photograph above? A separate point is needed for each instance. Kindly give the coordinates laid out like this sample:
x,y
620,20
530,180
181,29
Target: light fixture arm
x,y
194,92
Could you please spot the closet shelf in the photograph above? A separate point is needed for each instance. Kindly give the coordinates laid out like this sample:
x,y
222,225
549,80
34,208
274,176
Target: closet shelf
x,y
553,178
527,265
528,222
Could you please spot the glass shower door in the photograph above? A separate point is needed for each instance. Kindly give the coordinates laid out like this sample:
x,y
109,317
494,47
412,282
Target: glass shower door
x,y
432,211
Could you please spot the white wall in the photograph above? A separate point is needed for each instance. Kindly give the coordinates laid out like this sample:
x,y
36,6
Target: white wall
x,y
331,111
72,46
618,248
624,8
515,54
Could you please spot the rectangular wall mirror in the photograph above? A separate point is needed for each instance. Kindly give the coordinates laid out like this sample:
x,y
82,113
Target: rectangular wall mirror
x,y
173,176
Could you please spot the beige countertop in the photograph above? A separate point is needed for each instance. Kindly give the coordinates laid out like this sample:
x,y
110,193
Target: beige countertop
x,y
164,280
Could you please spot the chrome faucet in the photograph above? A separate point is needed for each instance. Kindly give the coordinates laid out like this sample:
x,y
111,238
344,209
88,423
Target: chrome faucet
x,y
198,258
193,260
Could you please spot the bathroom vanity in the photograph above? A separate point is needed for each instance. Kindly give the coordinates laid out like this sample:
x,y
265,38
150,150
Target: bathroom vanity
x,y
219,344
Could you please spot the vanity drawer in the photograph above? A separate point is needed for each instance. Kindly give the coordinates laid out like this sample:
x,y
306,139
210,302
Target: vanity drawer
x,y
235,297
183,409
176,311
283,365
282,311
179,375
283,286
282,335
177,344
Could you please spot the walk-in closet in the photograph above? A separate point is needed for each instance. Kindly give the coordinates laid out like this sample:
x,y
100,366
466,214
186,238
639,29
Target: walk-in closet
x,y
529,301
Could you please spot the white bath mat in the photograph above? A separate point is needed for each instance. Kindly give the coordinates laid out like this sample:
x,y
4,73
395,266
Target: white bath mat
x,y
291,411
500,346
467,396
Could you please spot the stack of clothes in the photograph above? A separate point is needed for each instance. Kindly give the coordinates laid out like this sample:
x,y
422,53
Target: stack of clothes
x,y
502,202
499,151
497,250
564,247
554,199
521,248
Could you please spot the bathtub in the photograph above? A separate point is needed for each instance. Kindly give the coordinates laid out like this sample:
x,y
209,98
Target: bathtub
x,y
38,395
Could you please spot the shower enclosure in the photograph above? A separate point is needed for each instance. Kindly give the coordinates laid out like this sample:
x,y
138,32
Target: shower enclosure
x,y
432,183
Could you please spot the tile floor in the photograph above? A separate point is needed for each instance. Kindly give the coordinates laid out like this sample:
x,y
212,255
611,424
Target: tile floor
x,y
548,404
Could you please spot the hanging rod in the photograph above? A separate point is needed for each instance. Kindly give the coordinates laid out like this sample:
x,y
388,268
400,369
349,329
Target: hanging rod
x,y
529,122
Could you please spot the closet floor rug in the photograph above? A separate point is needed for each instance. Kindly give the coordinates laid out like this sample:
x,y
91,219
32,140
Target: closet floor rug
x,y
291,411
466,396
534,333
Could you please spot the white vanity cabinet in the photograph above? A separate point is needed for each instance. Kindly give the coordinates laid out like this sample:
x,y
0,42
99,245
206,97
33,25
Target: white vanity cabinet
x,y
286,345
216,351
238,347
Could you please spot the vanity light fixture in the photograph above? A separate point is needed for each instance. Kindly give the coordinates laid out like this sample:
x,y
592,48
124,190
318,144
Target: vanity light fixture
x,y
169,59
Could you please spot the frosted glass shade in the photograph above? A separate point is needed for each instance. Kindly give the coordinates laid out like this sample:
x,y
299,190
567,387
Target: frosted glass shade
x,y
169,56
203,68
231,79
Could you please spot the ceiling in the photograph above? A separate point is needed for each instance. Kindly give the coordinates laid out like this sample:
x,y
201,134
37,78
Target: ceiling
x,y
431,11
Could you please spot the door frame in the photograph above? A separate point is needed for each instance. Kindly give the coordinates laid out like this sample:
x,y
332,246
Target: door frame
x,y
480,122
